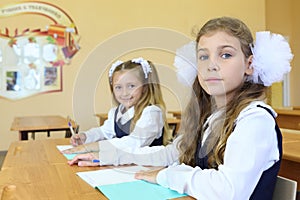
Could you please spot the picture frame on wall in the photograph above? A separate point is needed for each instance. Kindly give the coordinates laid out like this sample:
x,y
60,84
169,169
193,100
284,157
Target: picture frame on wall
x,y
32,59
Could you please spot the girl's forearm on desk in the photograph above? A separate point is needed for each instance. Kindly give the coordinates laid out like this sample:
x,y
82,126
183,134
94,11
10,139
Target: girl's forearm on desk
x,y
91,147
84,148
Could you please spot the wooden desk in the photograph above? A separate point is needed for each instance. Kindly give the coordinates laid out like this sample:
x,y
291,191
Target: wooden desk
x,y
288,118
57,181
40,171
102,117
176,114
34,152
296,107
34,124
174,123
290,164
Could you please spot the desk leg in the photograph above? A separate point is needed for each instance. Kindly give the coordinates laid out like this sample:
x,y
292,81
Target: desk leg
x,y
174,130
33,135
23,135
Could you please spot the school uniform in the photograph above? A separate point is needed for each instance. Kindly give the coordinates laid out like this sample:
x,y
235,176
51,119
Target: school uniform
x,y
251,161
252,149
116,129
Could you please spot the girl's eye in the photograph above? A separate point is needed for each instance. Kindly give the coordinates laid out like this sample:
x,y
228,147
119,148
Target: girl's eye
x,y
117,87
226,55
203,57
131,86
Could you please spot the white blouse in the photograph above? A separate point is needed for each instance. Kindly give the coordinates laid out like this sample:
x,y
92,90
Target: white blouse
x,y
250,150
147,128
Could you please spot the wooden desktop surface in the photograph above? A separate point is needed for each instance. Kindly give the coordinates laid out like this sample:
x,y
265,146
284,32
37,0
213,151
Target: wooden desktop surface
x,y
296,107
49,123
291,146
40,171
57,181
175,113
103,116
173,122
35,152
288,118
290,164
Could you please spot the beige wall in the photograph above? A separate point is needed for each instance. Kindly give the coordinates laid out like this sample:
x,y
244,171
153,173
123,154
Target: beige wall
x,y
99,21
295,82
282,16
278,24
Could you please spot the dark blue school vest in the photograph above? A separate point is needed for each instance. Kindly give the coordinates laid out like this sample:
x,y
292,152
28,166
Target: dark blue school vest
x,y
266,184
122,130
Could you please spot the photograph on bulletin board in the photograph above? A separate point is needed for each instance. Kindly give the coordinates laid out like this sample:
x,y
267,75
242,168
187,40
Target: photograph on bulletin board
x,y
13,81
52,78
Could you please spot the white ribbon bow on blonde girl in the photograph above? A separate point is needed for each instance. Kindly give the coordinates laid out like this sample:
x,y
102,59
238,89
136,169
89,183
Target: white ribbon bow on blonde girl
x,y
144,64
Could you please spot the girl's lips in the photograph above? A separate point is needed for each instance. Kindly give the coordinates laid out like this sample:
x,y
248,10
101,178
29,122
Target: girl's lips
x,y
127,99
213,79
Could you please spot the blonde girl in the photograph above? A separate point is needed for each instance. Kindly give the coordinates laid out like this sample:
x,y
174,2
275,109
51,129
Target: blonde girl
x,y
138,119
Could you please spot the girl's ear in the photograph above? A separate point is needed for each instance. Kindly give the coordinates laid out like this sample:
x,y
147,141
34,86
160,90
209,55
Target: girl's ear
x,y
249,69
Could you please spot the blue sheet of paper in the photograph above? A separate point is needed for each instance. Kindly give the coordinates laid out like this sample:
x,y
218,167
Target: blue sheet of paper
x,y
138,190
70,156
64,147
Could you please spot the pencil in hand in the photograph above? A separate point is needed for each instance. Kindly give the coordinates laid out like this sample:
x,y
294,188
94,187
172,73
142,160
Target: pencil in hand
x,y
70,125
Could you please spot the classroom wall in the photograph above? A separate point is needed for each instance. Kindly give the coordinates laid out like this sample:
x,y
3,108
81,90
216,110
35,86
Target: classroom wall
x,y
295,82
282,16
102,23
278,24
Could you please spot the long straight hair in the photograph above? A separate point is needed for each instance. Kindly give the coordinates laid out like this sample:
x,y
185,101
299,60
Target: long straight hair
x,y
202,105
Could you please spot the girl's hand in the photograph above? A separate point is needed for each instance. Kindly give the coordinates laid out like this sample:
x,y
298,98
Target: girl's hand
x,y
149,176
78,139
84,160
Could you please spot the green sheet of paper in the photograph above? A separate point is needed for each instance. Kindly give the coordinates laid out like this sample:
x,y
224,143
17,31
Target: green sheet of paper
x,y
64,147
138,190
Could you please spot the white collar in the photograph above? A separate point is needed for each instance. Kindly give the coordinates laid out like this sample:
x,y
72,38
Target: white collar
x,y
125,117
261,103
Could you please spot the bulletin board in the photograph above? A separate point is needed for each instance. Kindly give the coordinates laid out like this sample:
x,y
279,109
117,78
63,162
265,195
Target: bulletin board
x,y
32,60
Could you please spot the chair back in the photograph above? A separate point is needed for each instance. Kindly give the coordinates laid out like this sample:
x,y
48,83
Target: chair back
x,y
285,189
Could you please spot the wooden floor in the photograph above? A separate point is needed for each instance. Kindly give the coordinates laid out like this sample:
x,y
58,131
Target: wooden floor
x,y
2,156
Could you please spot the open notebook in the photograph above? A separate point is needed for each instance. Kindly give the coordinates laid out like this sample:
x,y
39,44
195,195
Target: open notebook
x,y
119,183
